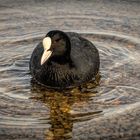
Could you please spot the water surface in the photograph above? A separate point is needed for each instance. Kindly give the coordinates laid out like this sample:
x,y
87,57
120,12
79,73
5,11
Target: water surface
x,y
106,109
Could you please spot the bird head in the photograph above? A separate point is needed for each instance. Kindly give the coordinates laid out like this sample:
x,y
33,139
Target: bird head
x,y
56,43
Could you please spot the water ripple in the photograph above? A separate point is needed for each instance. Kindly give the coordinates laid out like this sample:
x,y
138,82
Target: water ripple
x,y
29,110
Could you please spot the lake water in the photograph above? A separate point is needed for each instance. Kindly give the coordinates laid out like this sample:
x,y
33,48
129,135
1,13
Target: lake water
x,y
106,109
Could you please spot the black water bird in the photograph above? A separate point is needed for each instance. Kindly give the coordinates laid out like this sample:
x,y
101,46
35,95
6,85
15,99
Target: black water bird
x,y
64,60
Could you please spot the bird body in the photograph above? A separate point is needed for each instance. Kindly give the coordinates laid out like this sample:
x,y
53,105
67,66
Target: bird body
x,y
73,61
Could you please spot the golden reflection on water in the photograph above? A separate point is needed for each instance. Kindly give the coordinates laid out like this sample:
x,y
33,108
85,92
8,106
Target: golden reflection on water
x,y
60,103
114,30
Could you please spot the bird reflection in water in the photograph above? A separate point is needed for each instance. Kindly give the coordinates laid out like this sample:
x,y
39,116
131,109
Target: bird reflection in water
x,y
62,114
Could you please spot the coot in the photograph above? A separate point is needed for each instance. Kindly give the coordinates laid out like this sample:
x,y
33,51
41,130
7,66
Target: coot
x,y
64,60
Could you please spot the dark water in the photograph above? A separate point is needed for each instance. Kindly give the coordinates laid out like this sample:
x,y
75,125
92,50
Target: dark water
x,y
108,110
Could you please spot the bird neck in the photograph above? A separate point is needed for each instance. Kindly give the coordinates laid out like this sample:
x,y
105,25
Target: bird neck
x,y
62,60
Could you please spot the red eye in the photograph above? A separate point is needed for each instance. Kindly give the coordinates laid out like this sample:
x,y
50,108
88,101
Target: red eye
x,y
58,39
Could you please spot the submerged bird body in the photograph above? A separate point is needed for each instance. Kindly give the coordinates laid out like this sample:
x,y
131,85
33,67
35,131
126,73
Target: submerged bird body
x,y
69,61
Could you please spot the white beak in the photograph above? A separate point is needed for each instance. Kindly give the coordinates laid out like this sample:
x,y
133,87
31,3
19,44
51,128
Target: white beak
x,y
47,52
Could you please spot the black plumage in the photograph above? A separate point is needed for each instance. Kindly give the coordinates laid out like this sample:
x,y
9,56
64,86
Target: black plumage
x,y
74,61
